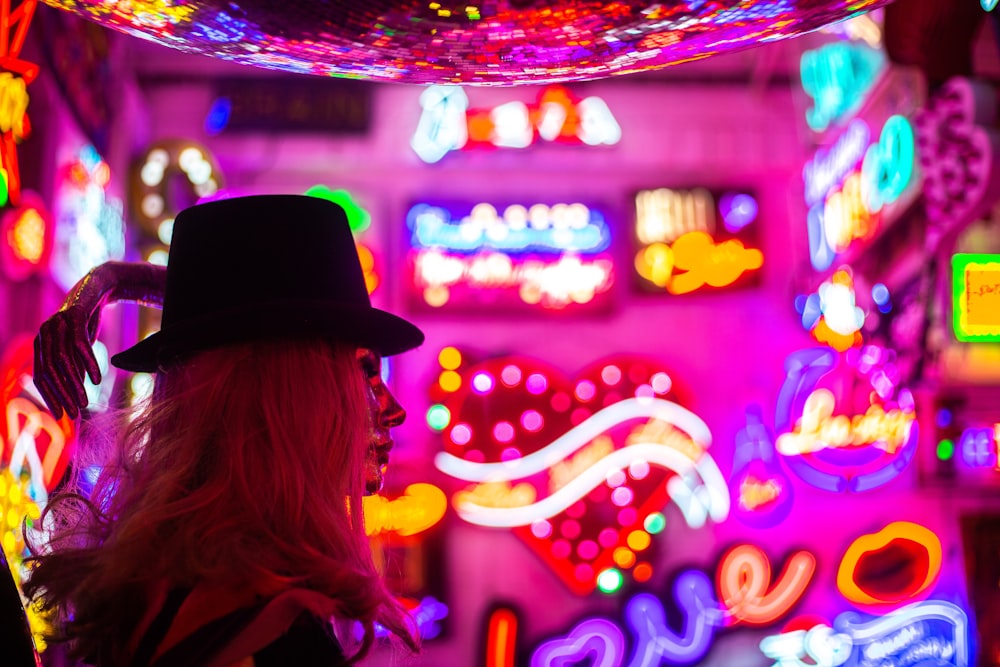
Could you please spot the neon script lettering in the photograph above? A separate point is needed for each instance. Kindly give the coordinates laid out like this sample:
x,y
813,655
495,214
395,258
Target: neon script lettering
x,y
600,641
819,428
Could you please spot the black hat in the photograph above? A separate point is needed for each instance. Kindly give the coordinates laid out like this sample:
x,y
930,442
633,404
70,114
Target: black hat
x,y
265,267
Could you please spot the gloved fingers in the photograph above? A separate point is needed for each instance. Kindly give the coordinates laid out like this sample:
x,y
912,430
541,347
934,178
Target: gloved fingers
x,y
55,369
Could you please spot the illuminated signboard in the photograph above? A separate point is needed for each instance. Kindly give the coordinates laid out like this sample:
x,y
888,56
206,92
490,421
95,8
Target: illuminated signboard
x,y
695,239
703,612
975,281
853,439
90,227
581,469
909,550
838,77
922,634
447,124
852,186
831,313
484,256
761,491
359,220
26,238
155,196
957,132
15,75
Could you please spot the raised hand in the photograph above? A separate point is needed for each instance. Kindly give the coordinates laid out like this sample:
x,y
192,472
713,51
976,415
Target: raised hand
x,y
63,347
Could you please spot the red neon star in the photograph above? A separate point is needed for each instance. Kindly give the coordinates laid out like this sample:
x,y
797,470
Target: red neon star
x,y
13,29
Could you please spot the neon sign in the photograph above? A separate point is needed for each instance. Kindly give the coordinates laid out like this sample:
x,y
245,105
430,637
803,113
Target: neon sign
x,y
578,469
922,633
155,200
359,220
420,507
909,550
447,123
957,135
26,238
838,77
601,641
847,190
744,574
90,227
980,447
761,490
553,257
831,313
33,442
975,280
845,453
692,239
14,123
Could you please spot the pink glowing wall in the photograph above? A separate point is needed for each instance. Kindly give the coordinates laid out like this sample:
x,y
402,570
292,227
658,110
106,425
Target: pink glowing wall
x,y
726,349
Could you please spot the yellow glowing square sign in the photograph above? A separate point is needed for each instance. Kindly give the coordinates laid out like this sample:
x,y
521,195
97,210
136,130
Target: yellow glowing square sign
x,y
976,296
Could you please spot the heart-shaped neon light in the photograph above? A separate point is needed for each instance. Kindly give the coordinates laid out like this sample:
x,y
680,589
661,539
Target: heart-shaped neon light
x,y
579,469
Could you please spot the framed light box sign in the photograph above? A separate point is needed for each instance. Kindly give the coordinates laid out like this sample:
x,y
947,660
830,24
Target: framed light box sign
x,y
696,240
529,256
975,281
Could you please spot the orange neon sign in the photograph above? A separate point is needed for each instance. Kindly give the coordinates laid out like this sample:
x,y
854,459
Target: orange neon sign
x,y
917,548
819,429
743,576
501,638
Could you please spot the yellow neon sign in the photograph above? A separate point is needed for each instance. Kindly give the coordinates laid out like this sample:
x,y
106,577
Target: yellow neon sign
x,y
819,428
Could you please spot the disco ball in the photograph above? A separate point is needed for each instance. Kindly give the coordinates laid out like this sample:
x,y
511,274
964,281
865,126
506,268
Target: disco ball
x,y
484,42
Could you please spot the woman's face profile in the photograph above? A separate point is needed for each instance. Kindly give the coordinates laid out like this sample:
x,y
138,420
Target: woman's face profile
x,y
385,412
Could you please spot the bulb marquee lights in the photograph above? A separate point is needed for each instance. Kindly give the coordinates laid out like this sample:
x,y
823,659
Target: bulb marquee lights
x,y
580,469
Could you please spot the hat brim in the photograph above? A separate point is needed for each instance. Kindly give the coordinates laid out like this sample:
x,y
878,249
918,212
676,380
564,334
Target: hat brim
x,y
379,330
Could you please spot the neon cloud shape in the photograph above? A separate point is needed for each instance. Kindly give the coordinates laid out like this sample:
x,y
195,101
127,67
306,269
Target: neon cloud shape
x,y
901,546
598,639
700,261
819,646
743,579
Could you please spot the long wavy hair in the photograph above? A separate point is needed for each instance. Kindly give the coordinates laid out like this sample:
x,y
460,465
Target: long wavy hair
x,y
244,468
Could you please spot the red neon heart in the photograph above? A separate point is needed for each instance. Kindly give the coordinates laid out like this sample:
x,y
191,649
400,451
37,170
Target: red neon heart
x,y
509,408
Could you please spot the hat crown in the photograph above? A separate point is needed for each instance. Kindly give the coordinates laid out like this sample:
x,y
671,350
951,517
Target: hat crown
x,y
265,267
237,253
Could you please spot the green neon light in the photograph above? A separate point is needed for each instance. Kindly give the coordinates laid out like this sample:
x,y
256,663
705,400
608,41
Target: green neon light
x,y
988,5
357,217
975,285
438,417
945,450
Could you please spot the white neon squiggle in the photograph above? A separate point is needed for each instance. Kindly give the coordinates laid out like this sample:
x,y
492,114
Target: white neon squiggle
x,y
577,437
654,453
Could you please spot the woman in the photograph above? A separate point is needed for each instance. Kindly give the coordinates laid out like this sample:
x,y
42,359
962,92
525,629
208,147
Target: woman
x,y
225,527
